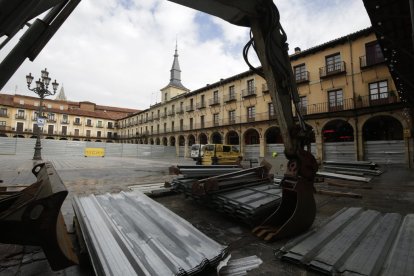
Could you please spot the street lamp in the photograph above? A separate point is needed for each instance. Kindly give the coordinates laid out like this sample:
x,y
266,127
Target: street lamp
x,y
42,91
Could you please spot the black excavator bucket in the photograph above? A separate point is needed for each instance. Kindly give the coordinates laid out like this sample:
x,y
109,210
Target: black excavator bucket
x,y
297,210
32,217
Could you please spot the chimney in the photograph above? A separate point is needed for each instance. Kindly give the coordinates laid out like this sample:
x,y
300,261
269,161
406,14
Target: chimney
x,y
297,50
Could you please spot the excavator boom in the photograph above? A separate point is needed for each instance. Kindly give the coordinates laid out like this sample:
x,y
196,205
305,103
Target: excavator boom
x,y
297,210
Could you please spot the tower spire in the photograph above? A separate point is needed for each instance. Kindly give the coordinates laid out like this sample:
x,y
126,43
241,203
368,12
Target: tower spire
x,y
175,72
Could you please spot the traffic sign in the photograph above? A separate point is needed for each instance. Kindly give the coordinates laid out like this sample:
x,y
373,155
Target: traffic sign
x,y
41,122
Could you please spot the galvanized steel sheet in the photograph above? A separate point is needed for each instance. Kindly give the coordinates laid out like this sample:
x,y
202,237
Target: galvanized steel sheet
x,y
357,242
130,234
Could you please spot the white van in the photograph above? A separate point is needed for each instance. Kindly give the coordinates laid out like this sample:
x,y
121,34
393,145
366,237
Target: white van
x,y
197,150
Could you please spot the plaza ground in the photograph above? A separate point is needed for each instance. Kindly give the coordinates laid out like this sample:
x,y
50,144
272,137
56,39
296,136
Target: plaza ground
x,y
393,191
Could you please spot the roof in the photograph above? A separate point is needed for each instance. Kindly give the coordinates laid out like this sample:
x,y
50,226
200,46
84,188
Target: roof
x,y
131,234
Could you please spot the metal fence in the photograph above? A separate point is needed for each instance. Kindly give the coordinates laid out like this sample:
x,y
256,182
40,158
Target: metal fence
x,y
25,147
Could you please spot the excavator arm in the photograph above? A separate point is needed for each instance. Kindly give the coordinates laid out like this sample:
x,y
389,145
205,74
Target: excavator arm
x,y
297,210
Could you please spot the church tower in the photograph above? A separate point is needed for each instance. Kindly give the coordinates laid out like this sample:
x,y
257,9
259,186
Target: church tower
x,y
175,87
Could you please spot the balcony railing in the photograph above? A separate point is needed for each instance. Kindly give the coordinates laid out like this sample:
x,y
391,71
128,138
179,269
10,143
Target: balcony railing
x,y
365,61
4,115
189,108
20,116
250,92
171,113
214,101
99,126
180,111
89,124
230,98
77,123
164,115
64,122
201,105
156,117
332,69
51,120
302,77
110,127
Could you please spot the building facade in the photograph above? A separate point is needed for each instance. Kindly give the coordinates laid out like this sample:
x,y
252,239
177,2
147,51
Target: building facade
x,y
65,120
346,92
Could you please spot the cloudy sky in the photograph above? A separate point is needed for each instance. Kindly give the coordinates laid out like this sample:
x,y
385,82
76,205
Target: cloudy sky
x,y
120,52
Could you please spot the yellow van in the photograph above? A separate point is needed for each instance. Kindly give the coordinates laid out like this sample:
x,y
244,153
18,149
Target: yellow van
x,y
219,154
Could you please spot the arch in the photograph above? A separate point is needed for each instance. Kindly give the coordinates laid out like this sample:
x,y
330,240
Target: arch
x,y
86,140
63,138
164,141
4,135
181,140
157,141
50,138
20,136
203,138
109,141
172,141
338,131
191,140
75,139
382,128
232,138
273,136
33,136
216,138
251,137
151,140
98,141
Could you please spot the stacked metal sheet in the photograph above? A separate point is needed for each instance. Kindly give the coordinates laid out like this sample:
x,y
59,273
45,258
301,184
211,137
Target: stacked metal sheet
x,y
130,234
201,171
357,242
359,168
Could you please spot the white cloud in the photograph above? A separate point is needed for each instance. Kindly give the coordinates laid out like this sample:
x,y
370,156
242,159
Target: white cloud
x,y
120,55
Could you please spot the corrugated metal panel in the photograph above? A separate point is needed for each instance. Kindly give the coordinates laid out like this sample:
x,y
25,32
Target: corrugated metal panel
x,y
130,234
53,147
8,145
239,267
26,146
75,148
339,151
144,150
388,152
113,150
357,242
251,152
129,150
181,151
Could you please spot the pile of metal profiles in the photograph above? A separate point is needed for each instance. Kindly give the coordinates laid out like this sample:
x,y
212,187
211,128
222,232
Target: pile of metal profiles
x,y
355,167
199,171
238,267
249,195
32,217
130,234
344,176
357,242
250,204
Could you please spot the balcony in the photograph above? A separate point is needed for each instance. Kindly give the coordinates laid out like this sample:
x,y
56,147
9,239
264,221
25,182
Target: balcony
x,y
230,98
337,68
302,77
250,92
156,117
89,124
214,101
171,113
365,62
232,121
4,114
99,126
51,120
216,123
189,108
180,111
164,115
64,122
150,119
77,123
201,105
251,119
110,127
20,116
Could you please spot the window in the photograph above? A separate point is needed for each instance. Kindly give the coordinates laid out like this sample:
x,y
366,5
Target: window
x,y
158,129
152,130
373,53
232,116
303,104
35,128
335,100
109,134
271,111
173,108
165,96
51,117
50,129
202,100
251,113
191,123
61,107
76,132
232,93
216,96
181,125
88,133
165,127
36,103
172,126
49,106
21,102
216,119
2,125
77,121
191,103
378,90
3,112
64,130
110,125
20,114
65,118
88,122
300,73
333,63
250,87
202,121
99,124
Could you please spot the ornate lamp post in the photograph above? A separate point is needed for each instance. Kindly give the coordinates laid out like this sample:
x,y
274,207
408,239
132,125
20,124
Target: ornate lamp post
x,y
42,91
